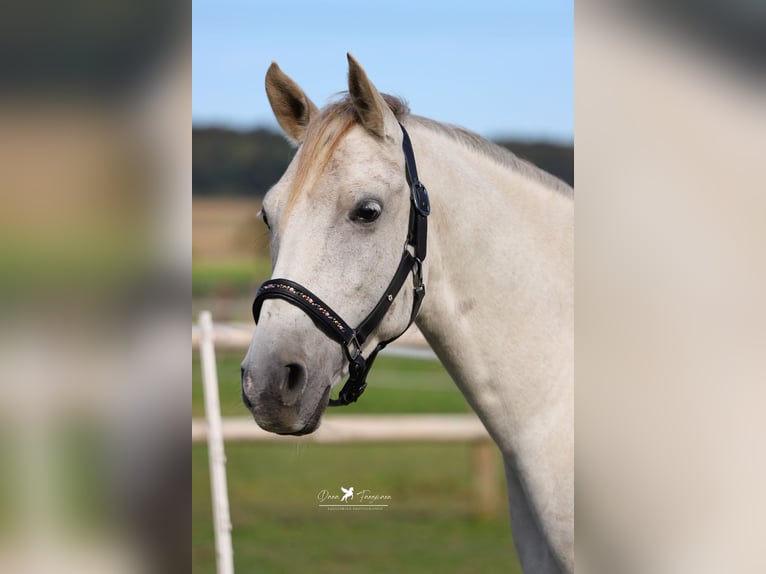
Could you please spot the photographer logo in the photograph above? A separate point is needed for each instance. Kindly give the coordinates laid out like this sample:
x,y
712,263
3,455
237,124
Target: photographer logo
x,y
349,498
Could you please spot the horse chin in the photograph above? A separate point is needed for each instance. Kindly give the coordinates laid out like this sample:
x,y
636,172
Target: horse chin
x,y
315,419
310,425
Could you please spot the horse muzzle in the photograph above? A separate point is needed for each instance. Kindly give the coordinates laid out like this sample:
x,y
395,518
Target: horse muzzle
x,y
281,398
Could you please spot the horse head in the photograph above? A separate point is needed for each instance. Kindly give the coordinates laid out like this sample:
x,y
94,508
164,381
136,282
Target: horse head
x,y
338,220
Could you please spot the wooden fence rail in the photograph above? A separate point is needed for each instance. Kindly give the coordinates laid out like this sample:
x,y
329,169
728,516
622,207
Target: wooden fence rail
x,y
359,428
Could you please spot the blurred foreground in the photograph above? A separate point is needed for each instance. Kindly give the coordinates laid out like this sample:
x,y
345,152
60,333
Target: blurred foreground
x,y
94,255
670,283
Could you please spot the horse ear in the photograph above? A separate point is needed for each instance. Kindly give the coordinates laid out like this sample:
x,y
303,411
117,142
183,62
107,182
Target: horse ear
x,y
292,108
374,113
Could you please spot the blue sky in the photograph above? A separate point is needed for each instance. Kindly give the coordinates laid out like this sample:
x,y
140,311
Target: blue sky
x,y
500,68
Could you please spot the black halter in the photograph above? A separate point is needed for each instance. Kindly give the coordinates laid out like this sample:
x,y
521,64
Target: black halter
x,y
332,325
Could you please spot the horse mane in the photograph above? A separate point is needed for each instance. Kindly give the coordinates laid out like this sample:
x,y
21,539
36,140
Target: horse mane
x,y
503,156
339,116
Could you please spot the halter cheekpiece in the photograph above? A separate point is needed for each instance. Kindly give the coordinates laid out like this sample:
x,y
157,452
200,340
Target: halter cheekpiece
x,y
332,324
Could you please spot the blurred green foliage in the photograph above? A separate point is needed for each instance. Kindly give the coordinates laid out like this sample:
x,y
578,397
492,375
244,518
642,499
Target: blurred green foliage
x,y
554,158
229,162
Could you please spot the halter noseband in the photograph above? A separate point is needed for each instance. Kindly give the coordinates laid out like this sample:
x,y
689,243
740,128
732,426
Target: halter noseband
x,y
332,325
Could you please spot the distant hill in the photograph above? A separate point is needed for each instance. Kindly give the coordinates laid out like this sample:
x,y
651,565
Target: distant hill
x,y
247,163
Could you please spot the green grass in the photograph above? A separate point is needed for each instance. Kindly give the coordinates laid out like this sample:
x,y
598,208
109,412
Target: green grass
x,y
431,524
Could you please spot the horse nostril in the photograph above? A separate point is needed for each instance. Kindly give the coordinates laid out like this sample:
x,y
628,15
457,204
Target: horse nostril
x,y
296,376
245,400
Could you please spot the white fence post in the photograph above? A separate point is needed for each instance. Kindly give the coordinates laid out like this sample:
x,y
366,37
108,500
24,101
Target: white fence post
x,y
216,455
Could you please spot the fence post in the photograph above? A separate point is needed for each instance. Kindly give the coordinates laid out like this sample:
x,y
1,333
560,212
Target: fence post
x,y
483,458
216,455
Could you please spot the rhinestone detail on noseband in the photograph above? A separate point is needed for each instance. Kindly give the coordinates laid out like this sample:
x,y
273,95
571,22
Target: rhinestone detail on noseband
x,y
308,300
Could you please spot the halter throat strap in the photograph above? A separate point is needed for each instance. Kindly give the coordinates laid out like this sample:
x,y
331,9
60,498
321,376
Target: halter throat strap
x,y
331,323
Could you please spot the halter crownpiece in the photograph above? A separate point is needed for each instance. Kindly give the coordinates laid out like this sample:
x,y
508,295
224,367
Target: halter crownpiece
x,y
331,323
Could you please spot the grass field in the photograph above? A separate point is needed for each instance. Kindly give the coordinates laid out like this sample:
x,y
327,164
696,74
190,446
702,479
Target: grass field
x,y
430,525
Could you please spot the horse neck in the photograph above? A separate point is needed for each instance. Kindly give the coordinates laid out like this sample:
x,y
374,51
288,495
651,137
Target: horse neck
x,y
499,308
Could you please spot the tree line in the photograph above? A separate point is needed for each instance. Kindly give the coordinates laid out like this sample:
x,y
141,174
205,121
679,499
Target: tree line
x,y
228,162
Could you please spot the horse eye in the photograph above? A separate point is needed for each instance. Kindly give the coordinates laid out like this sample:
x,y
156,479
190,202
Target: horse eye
x,y
262,213
366,212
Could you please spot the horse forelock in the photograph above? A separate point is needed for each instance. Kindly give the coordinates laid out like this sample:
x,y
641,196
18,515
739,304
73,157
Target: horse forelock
x,y
323,135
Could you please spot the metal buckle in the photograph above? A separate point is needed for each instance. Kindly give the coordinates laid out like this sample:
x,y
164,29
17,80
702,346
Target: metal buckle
x,y
357,347
417,274
420,199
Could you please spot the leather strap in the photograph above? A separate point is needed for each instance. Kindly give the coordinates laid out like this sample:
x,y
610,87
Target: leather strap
x,y
419,193
370,323
321,313
332,324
